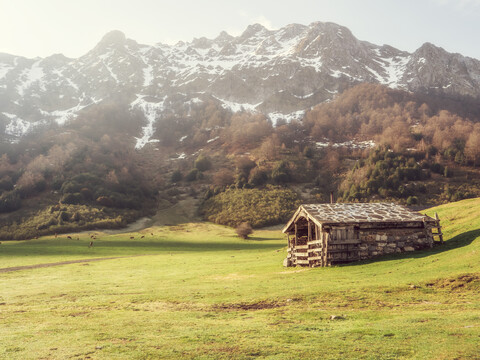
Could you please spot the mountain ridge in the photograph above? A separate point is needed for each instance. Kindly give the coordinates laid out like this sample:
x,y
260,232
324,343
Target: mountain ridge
x,y
279,73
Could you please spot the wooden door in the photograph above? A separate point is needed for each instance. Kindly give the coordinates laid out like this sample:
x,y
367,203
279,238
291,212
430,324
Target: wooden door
x,y
343,245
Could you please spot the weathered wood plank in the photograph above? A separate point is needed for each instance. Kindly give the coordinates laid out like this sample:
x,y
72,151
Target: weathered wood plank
x,y
309,230
345,242
303,255
303,262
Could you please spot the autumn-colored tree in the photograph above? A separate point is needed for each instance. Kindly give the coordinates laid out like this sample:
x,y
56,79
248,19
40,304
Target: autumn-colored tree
x,y
269,149
244,165
243,230
223,177
472,147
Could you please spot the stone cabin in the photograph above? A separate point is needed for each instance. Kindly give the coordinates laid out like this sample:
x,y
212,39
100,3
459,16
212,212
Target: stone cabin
x,y
329,234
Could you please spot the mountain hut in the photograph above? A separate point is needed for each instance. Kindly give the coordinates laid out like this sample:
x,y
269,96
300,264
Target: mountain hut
x,y
329,234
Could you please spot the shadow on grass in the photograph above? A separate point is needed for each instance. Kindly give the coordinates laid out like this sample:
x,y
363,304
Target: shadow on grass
x,y
255,238
458,241
129,247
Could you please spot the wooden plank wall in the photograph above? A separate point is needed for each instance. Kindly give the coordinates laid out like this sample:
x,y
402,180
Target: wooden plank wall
x,y
344,245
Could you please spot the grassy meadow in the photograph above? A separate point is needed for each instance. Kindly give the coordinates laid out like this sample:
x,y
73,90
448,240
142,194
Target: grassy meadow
x,y
196,291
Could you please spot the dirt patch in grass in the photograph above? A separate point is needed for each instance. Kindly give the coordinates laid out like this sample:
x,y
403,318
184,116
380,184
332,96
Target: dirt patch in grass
x,y
457,283
37,266
259,305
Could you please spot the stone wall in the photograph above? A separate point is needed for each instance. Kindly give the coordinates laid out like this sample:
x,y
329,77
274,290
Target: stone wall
x,y
375,242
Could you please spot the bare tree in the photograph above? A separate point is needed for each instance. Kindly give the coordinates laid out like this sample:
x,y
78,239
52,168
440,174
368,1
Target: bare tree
x,y
243,230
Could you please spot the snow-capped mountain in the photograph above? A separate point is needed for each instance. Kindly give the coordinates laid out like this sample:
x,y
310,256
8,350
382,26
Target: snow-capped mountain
x,y
280,73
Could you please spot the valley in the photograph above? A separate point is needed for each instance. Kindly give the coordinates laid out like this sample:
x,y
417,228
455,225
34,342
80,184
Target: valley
x,y
198,291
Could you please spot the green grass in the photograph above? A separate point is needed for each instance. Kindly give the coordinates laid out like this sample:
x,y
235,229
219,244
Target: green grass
x,y
200,292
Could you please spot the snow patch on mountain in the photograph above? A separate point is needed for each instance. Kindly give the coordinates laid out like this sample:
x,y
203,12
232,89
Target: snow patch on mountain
x,y
275,117
352,144
316,63
4,69
61,117
107,66
237,107
213,139
395,68
148,75
18,127
152,111
30,76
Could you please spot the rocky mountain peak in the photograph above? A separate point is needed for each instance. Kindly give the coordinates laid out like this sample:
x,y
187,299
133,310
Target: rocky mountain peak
x,y
254,30
114,37
202,43
223,37
430,50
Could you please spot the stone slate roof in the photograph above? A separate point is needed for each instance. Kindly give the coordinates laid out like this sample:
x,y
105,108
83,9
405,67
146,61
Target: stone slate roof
x,y
354,213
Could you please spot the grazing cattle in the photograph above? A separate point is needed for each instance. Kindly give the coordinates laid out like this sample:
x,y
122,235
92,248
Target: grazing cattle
x,y
141,237
69,237
151,234
132,237
91,244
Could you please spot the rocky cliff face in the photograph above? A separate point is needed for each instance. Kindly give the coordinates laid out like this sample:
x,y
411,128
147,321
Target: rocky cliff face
x,y
277,72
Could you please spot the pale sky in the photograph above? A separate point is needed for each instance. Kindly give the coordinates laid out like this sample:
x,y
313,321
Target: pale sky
x,y
33,28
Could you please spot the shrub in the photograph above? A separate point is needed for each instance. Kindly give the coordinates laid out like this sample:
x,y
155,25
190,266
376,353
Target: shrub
x,y
193,175
223,177
9,201
309,152
460,158
75,198
202,163
258,177
281,173
64,216
86,193
437,168
412,200
176,176
104,201
243,230
6,184
244,166
448,172
70,187
40,185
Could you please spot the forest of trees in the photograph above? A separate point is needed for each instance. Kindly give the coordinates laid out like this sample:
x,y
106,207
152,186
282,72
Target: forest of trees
x,y
91,162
